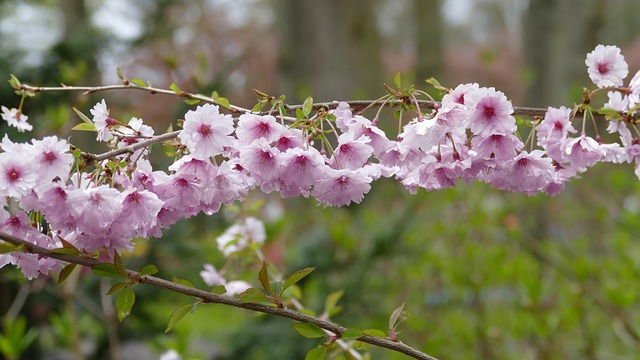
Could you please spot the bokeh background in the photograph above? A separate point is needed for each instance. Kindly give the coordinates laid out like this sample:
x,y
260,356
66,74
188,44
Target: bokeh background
x,y
484,274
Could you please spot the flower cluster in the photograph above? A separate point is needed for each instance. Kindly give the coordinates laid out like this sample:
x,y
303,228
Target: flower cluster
x,y
471,136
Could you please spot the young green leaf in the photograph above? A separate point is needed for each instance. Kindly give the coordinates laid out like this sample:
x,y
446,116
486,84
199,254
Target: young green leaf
x,y
308,330
124,302
138,82
307,106
117,287
105,270
253,295
332,300
177,315
257,108
397,79
83,116
395,316
316,354
7,248
175,88
84,127
219,289
149,270
67,251
184,282
351,333
276,287
65,272
222,101
297,276
119,265
263,276
119,72
374,332
192,101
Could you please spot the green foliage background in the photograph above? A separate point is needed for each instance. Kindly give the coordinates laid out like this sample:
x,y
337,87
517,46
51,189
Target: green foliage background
x,y
484,274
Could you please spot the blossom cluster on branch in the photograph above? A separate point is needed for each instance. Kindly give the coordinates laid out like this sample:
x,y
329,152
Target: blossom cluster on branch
x,y
471,135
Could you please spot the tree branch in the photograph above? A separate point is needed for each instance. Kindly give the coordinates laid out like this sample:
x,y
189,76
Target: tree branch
x,y
209,297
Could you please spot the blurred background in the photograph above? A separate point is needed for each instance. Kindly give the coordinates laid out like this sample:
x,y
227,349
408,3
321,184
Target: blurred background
x,y
484,274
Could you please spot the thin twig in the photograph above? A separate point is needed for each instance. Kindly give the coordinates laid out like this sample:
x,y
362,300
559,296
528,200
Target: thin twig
x,y
210,297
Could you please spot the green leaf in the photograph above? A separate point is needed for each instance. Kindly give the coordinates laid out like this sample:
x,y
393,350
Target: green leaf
x,y
276,287
84,127
7,248
192,101
332,300
177,315
105,270
65,272
222,101
253,295
299,114
374,332
14,82
397,79
183,282
175,88
257,108
609,114
297,276
308,330
66,251
393,320
307,106
316,354
139,82
124,303
351,333
219,289
119,265
119,72
117,287
83,116
263,276
149,270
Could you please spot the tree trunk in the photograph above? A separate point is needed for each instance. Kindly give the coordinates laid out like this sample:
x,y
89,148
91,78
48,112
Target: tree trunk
x,y
329,49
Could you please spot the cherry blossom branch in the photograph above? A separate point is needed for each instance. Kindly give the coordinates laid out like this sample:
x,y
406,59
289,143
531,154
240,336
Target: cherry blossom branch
x,y
356,105
209,297
131,148
129,86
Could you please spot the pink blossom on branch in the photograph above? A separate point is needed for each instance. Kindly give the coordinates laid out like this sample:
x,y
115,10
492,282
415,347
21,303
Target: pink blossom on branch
x,y
206,132
606,66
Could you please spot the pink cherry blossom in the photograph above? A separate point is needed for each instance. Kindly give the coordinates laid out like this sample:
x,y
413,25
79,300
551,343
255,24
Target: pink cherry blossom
x,y
491,113
617,101
289,139
16,119
556,124
52,158
529,172
95,208
634,85
140,210
351,153
261,160
606,66
341,187
211,276
17,175
206,131
501,147
582,152
252,127
240,235
300,169
102,121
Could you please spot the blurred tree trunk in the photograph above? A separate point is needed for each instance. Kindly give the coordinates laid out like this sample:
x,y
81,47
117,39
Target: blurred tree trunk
x,y
428,22
329,49
558,35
